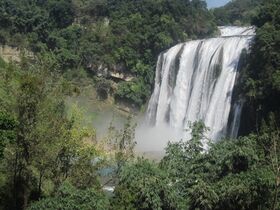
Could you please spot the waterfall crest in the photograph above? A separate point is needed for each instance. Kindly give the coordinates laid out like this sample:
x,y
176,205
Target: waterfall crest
x,y
195,81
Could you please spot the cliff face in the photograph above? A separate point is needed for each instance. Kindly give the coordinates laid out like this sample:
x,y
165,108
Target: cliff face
x,y
14,54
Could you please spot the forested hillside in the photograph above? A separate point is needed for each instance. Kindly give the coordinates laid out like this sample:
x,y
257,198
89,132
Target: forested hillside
x,y
105,35
261,79
50,157
237,12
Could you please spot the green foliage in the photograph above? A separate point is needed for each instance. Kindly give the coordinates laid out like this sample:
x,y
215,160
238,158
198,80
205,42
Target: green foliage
x,y
237,12
49,158
41,145
68,197
203,196
122,143
182,163
7,131
135,91
177,154
233,174
103,88
108,33
142,185
61,13
260,83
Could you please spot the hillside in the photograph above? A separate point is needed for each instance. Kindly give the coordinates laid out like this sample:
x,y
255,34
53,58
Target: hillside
x,y
105,36
237,12
89,54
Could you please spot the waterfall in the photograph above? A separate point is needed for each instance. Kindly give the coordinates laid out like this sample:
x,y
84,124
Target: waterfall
x,y
195,81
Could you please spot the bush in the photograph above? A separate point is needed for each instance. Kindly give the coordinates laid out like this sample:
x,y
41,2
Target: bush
x,y
143,185
135,92
68,197
103,88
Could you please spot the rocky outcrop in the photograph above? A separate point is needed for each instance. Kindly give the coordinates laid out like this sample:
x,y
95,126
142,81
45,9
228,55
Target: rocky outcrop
x,y
121,76
115,72
14,54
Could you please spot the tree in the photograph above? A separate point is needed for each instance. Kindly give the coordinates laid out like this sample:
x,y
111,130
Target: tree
x,y
62,13
142,185
237,12
121,144
7,131
68,197
230,174
260,83
270,138
183,163
50,146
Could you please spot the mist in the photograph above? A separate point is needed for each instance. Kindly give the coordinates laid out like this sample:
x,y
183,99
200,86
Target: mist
x,y
150,141
154,139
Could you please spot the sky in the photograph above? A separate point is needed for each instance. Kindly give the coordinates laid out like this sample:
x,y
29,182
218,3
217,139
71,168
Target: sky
x,y
216,3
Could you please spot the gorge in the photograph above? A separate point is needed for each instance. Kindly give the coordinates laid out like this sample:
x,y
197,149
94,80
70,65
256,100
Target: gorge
x,y
195,82
139,105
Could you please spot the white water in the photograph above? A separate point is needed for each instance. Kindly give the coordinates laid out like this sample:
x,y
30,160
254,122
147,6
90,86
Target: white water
x,y
195,81
236,31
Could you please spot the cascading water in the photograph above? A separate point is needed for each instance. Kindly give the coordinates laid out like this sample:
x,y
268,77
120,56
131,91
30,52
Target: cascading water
x,y
195,81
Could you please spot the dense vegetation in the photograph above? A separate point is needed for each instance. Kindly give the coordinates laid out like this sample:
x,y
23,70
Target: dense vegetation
x,y
237,12
51,159
39,141
261,79
105,35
